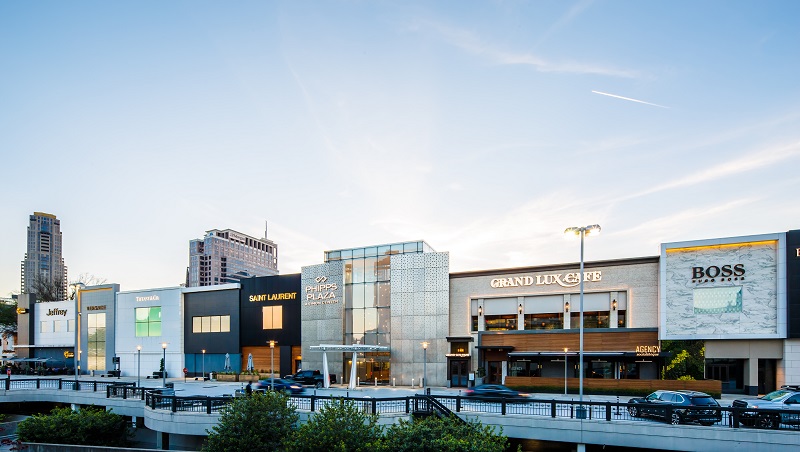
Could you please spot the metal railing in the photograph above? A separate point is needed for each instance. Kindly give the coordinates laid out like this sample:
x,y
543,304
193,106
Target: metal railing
x,y
59,384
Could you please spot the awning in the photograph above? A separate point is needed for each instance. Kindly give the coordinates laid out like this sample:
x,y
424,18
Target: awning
x,y
460,339
591,354
494,347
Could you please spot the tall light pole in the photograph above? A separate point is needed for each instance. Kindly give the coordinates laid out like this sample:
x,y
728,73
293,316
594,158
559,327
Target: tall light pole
x,y
565,370
139,365
204,365
164,373
272,365
78,286
425,364
593,229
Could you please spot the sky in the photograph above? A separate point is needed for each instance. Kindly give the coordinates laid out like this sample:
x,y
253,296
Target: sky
x,y
482,127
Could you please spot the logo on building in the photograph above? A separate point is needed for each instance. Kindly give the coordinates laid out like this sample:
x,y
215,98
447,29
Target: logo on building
x,y
273,297
563,280
724,273
57,312
96,308
148,298
648,350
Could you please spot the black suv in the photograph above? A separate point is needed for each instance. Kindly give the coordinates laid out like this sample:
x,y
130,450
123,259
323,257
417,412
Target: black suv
x,y
776,408
677,407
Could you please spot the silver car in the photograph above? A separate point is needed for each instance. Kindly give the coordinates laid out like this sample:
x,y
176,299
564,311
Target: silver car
x,y
776,408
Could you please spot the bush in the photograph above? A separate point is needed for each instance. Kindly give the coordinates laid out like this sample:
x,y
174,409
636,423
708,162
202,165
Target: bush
x,y
338,426
88,427
443,435
258,422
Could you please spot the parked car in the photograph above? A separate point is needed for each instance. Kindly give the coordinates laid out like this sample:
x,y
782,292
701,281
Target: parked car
x,y
279,384
310,378
776,408
498,391
677,407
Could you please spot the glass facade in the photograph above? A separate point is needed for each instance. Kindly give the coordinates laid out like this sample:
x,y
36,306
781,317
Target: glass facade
x,y
148,321
97,341
211,324
367,302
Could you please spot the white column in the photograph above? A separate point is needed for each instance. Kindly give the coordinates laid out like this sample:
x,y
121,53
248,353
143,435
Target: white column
x,y
326,380
353,372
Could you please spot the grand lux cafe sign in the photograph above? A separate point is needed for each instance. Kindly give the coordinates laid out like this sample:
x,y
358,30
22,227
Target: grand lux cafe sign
x,y
563,280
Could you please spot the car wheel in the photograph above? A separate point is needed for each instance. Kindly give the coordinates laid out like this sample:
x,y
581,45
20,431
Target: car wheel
x,y
767,421
675,419
318,384
633,411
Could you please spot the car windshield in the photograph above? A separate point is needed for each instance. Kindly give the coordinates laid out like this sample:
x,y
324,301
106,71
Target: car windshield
x,y
774,395
704,401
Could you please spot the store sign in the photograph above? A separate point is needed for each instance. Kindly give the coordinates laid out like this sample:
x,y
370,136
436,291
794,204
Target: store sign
x,y
96,308
22,311
700,274
563,280
149,298
457,355
68,354
797,250
648,350
57,312
273,297
321,293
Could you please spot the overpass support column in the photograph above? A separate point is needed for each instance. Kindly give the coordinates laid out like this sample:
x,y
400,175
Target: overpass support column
x,y
581,448
162,440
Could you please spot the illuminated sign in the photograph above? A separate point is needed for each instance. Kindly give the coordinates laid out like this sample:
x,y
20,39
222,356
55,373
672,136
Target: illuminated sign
x,y
68,354
273,297
148,298
798,252
457,355
648,350
700,274
57,312
96,308
563,280
22,311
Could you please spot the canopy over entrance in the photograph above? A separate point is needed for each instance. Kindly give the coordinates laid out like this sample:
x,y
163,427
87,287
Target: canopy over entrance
x,y
357,348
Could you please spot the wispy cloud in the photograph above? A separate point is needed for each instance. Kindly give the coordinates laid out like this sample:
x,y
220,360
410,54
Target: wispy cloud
x,y
628,98
574,11
471,43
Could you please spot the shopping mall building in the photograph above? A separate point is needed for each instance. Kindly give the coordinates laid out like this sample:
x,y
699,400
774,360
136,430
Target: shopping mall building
x,y
397,312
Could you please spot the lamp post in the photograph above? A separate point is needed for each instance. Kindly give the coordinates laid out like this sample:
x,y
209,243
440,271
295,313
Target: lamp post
x,y
565,370
164,373
272,365
593,229
425,364
139,365
204,365
78,286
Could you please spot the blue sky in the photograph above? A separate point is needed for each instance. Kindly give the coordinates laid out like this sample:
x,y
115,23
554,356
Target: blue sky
x,y
484,128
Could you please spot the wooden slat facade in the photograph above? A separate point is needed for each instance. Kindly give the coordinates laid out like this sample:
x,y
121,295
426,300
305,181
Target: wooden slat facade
x,y
606,341
608,386
261,358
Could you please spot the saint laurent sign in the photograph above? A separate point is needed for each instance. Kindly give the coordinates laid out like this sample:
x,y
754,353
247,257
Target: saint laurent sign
x,y
273,296
563,280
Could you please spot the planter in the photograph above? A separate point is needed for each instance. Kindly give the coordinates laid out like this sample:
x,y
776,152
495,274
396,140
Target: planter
x,y
228,377
251,378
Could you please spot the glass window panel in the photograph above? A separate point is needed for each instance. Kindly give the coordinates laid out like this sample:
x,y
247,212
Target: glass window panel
x,y
215,322
334,255
142,314
142,330
474,323
370,269
206,324
155,314
358,271
71,325
397,248
266,317
101,320
370,295
384,294
621,319
348,321
347,254
155,329
91,321
197,325
370,251
383,268
384,320
358,296
500,322
358,338
410,247
550,321
371,320
348,272
348,296
383,250
370,339
225,324
358,252
277,317
57,326
358,321
384,339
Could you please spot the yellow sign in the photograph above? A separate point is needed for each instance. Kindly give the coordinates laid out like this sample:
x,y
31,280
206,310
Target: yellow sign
x,y
68,354
22,311
274,296
648,350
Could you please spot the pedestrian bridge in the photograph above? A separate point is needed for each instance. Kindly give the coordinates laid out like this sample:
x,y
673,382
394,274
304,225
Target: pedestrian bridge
x,y
605,423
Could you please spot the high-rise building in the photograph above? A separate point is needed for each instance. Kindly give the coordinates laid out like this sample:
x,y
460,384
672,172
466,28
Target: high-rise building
x,y
225,256
43,269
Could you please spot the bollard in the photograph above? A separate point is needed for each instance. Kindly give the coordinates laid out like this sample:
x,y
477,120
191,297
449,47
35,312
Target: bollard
x,y
394,381
412,382
376,382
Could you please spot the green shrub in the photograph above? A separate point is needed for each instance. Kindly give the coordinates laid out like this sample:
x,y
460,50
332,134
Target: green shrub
x,y
88,427
339,426
443,435
260,422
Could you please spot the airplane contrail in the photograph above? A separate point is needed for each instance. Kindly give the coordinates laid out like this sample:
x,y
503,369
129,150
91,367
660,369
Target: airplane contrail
x,y
628,98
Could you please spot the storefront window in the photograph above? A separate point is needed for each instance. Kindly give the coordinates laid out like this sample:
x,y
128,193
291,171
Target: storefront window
x,y
501,322
148,321
97,341
474,323
211,324
591,319
621,319
525,368
554,321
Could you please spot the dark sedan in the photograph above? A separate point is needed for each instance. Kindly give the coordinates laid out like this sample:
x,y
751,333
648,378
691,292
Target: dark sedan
x,y
280,385
677,407
490,391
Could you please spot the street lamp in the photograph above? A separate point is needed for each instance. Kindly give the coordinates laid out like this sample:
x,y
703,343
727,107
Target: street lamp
x,y
425,364
204,365
272,365
77,286
593,229
164,373
565,370
139,365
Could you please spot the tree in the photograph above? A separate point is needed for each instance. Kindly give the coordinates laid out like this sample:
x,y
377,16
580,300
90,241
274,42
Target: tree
x,y
688,360
259,422
8,318
46,290
87,279
338,426
447,434
88,427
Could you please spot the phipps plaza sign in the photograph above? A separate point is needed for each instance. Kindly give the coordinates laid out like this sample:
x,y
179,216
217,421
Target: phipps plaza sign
x,y
563,280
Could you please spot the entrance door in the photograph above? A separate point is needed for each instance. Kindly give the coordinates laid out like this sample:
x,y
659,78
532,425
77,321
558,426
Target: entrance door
x,y
458,373
495,375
